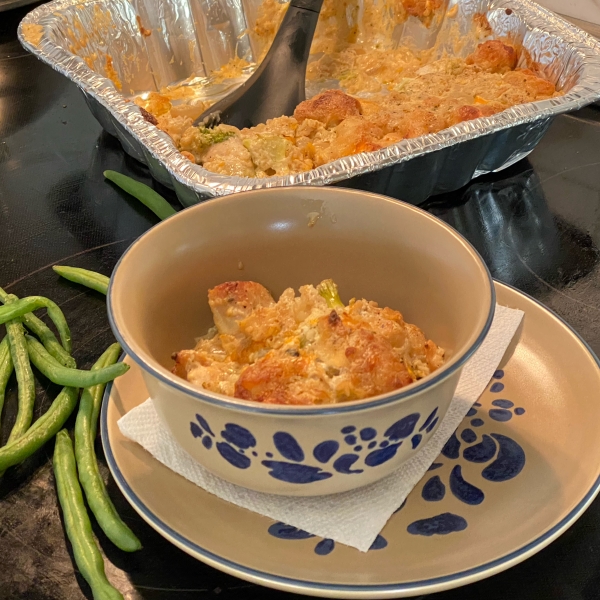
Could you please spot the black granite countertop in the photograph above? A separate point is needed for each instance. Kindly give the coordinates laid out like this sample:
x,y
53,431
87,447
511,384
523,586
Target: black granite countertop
x,y
537,225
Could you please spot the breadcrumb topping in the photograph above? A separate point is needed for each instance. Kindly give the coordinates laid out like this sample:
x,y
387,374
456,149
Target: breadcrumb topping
x,y
305,349
387,93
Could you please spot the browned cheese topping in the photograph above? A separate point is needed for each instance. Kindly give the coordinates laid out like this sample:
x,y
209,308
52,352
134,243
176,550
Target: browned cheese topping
x,y
403,93
305,349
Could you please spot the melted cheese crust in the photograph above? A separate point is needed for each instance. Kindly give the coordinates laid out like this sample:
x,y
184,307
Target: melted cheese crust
x,y
299,350
403,93
406,96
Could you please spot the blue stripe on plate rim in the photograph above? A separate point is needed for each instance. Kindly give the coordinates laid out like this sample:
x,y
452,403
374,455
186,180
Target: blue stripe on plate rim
x,y
436,584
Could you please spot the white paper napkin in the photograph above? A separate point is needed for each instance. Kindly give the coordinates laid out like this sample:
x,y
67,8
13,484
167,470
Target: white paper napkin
x,y
353,518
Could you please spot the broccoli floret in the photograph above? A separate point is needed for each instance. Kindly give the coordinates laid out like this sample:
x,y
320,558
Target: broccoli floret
x,y
269,152
328,290
208,137
345,75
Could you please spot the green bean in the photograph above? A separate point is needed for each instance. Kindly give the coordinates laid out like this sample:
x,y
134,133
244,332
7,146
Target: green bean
x,y
39,328
89,475
146,195
60,375
44,429
77,523
18,308
25,380
90,279
111,355
6,369
48,339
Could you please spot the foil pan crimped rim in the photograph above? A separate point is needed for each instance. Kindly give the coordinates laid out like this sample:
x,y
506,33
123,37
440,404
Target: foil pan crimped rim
x,y
161,147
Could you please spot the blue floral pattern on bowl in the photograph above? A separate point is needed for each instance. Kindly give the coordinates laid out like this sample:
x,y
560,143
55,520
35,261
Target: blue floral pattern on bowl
x,y
349,454
500,457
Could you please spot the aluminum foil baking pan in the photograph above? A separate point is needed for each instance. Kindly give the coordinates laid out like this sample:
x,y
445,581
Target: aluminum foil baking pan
x,y
94,41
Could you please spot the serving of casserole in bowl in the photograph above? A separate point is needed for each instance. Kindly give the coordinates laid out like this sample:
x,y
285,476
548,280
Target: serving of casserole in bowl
x,y
301,393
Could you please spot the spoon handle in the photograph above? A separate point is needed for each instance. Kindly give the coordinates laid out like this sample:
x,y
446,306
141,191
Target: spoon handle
x,y
294,37
314,5
277,86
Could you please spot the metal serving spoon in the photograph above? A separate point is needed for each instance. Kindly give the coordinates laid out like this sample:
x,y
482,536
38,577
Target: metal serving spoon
x,y
277,86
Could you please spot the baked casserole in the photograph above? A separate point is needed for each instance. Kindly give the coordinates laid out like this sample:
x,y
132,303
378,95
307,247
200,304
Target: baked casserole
x,y
384,94
305,349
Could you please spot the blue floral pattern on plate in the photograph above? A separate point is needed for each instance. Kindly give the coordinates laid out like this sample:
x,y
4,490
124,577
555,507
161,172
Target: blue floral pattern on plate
x,y
324,547
502,459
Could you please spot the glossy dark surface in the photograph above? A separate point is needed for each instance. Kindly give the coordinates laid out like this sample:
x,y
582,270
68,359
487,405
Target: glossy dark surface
x,y
537,225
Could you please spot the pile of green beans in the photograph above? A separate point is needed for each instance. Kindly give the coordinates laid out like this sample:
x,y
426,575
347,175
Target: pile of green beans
x,y
76,468
19,351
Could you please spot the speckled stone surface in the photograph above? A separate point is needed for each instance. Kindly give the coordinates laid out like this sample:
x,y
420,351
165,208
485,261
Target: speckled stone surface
x,y
537,225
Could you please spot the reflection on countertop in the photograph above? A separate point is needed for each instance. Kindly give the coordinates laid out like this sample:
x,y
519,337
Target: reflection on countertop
x,y
537,224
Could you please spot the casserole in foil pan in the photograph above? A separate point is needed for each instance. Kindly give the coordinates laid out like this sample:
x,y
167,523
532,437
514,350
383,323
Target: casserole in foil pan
x,y
120,49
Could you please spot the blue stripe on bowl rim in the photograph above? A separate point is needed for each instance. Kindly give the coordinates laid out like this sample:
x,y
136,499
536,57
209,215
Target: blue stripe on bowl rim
x,y
424,586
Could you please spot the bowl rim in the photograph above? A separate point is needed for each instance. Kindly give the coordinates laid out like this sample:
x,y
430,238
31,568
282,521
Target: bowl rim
x,y
238,404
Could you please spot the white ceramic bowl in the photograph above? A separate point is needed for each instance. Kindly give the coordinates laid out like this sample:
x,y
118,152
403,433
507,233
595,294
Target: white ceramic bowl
x,y
372,247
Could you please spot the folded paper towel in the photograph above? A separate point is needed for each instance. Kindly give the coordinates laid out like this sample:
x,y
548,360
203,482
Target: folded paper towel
x,y
353,518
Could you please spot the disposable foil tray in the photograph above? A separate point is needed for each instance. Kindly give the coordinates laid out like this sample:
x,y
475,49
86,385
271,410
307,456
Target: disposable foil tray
x,y
97,42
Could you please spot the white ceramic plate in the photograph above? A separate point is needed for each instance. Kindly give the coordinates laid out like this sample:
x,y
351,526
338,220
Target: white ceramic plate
x,y
521,469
